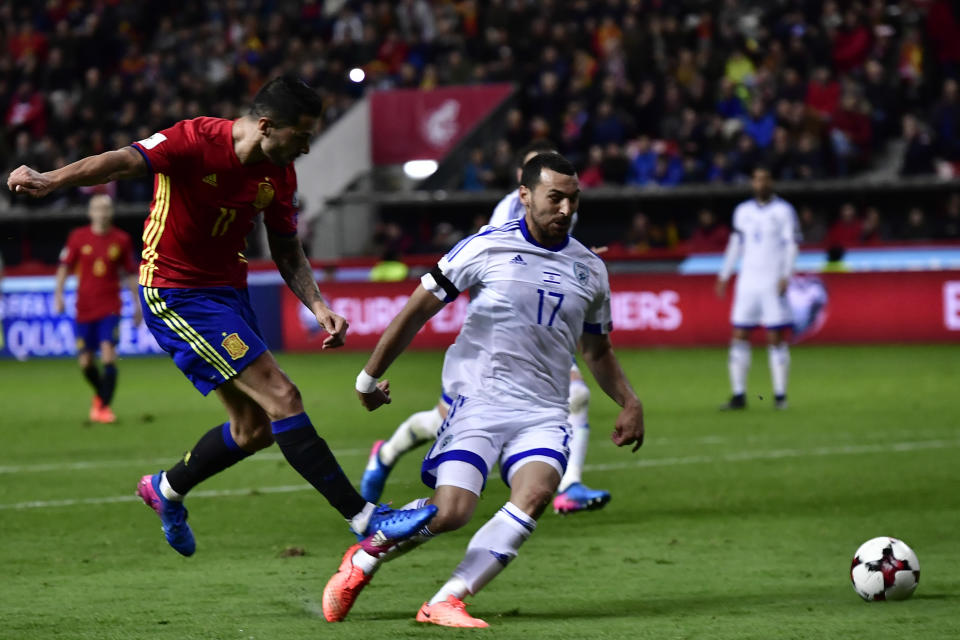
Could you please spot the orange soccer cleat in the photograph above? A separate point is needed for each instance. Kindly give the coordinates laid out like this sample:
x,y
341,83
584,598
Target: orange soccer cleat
x,y
344,587
95,406
105,415
450,613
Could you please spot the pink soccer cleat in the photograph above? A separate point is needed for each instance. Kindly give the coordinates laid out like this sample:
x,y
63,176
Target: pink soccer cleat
x,y
580,497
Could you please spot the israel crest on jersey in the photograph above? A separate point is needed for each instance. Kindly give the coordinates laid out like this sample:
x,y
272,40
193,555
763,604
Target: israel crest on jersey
x,y
445,442
580,270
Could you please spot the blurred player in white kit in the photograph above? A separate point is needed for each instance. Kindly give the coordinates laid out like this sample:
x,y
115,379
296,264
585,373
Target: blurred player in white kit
x,y
765,235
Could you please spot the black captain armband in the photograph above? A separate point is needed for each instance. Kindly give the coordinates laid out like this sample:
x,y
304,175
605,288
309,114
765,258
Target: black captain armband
x,y
445,284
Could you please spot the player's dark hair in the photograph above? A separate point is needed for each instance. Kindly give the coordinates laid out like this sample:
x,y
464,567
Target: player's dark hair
x,y
285,99
530,177
541,145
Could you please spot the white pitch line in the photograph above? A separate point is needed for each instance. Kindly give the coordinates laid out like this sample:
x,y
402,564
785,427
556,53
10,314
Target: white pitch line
x,y
775,454
743,456
87,465
43,504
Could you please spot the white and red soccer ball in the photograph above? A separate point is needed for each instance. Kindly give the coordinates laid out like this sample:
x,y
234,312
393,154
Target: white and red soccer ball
x,y
885,569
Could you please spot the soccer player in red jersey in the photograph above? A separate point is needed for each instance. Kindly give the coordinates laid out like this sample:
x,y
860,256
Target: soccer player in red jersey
x,y
212,178
100,255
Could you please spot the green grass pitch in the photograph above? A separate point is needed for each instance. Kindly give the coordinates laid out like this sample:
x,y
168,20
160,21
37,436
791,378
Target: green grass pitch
x,y
722,526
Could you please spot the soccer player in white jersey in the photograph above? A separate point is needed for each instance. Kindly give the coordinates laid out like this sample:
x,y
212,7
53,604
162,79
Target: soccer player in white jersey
x,y
765,235
535,294
422,426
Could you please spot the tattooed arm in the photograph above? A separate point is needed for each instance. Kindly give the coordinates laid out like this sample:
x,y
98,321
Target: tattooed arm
x,y
297,273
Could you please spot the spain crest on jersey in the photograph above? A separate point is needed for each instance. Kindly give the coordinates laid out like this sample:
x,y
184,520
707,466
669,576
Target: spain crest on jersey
x,y
265,193
235,346
113,252
581,271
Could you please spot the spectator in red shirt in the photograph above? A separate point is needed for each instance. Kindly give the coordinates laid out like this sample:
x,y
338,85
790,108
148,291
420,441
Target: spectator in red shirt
x,y
592,176
851,134
823,93
709,235
846,230
27,42
101,256
943,31
27,111
872,231
851,44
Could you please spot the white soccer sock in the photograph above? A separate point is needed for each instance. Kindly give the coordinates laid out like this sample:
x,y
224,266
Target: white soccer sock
x,y
369,564
779,366
414,431
578,449
738,364
167,490
360,521
492,547
455,587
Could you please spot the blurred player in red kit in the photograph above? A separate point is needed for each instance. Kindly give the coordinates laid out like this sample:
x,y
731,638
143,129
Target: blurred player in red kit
x,y
101,256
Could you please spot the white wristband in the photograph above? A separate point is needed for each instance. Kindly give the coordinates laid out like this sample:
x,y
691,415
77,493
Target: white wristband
x,y
366,383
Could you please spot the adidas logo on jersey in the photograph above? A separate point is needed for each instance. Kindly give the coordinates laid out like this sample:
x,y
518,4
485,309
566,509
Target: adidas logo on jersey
x,y
211,179
518,259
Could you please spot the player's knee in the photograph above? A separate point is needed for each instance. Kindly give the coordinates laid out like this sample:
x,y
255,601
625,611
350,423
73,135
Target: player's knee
x,y
534,497
579,396
285,399
85,359
257,439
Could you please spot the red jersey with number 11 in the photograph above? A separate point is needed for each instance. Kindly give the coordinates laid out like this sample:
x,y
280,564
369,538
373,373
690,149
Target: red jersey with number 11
x,y
204,205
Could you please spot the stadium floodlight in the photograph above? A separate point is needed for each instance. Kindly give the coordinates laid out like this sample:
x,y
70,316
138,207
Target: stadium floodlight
x,y
419,169
357,74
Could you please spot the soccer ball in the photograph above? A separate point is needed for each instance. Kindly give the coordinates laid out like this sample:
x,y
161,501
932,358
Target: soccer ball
x,y
885,569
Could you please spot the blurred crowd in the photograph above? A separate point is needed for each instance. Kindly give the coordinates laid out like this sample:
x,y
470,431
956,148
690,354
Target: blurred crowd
x,y
669,93
634,91
845,225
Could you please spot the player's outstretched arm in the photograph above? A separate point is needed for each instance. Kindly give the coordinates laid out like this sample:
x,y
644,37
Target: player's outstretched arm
x,y
287,253
99,169
603,364
421,306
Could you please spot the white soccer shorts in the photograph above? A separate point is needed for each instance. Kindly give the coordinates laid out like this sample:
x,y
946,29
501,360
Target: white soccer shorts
x,y
755,306
477,435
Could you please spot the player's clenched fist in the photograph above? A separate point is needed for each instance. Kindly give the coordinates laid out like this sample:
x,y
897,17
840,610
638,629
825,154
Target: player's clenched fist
x,y
25,180
376,398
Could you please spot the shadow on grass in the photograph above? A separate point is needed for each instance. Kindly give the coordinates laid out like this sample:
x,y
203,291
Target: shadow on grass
x,y
700,604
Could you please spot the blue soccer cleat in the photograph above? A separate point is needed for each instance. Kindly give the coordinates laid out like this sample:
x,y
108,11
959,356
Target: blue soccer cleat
x,y
389,526
173,515
375,475
580,497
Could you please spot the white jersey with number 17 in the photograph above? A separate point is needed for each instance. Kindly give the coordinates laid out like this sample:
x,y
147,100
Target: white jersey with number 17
x,y
529,305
